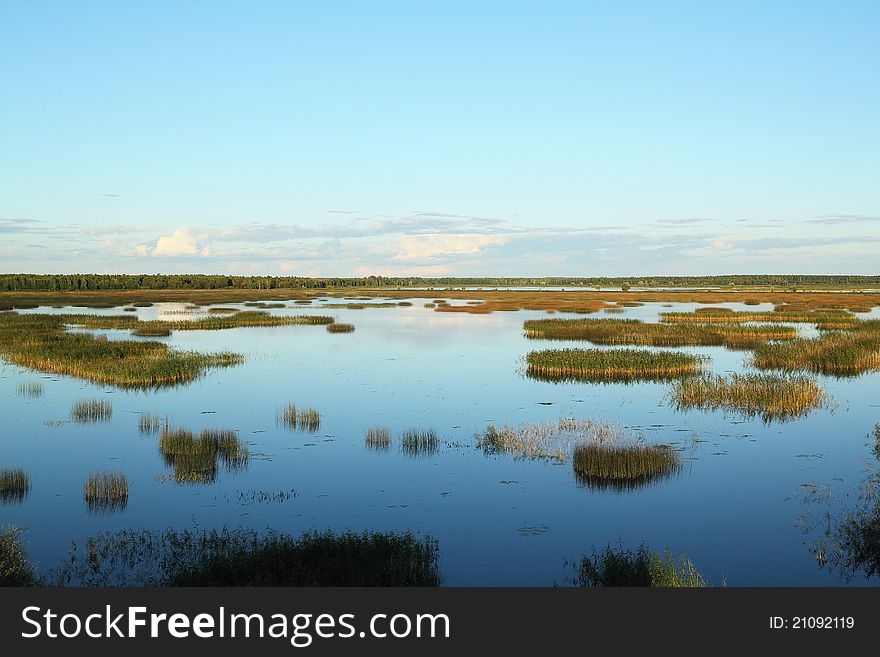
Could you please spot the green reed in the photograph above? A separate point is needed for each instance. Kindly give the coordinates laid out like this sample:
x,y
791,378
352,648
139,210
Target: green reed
x,y
150,424
419,442
623,466
196,459
378,438
610,364
15,567
340,328
88,411
620,567
106,492
31,389
15,485
298,419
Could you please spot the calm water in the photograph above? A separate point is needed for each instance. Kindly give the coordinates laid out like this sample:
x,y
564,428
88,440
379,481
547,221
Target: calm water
x,y
735,509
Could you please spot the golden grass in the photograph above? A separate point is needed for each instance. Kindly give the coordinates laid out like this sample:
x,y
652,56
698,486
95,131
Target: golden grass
x,y
842,354
106,491
610,364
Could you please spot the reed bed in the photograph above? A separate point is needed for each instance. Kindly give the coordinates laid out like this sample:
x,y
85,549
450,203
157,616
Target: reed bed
x,y
610,364
264,305
842,354
619,567
151,331
150,424
129,309
378,439
340,328
30,389
552,440
88,411
637,333
40,342
196,459
220,310
106,492
15,567
623,467
419,442
769,396
15,485
298,419
724,315
245,557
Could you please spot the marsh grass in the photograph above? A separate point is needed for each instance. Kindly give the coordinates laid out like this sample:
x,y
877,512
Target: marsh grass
x,y
41,342
725,315
219,310
15,567
610,364
378,439
842,354
340,328
150,424
298,419
623,466
620,567
552,440
244,557
637,333
151,331
30,389
15,485
87,411
771,397
196,459
106,492
419,442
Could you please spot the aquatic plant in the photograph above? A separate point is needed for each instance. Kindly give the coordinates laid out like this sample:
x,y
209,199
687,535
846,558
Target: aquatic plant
x,y
302,419
635,332
725,315
15,568
40,342
244,557
32,389
378,438
196,459
106,492
609,364
91,410
623,567
151,331
15,485
842,354
419,442
150,424
130,309
340,328
220,310
770,396
623,466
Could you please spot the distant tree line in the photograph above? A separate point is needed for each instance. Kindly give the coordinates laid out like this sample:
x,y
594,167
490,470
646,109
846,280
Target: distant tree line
x,y
83,282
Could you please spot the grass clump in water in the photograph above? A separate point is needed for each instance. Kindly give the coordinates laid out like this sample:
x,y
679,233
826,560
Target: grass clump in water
x,y
149,423
298,419
15,568
609,365
340,328
419,442
726,315
106,492
770,396
244,557
378,438
623,467
31,389
15,485
842,354
151,331
87,411
619,567
196,459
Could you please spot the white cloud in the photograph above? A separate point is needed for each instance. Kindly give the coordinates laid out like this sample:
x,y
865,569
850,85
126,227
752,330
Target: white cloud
x,y
429,247
182,242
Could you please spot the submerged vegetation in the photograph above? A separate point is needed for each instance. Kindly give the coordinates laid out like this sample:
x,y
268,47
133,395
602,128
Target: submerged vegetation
x,y
243,557
87,411
610,364
195,459
15,568
623,467
419,442
298,419
15,485
551,440
772,397
844,353
106,492
42,343
620,567
635,332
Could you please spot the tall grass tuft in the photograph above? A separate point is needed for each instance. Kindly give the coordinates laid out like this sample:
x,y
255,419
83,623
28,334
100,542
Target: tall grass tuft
x,y
88,411
150,424
15,568
15,485
623,467
378,439
106,492
31,389
196,459
298,419
340,328
610,364
770,396
619,567
419,442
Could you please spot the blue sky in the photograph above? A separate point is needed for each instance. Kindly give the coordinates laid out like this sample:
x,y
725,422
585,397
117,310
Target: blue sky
x,y
460,138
